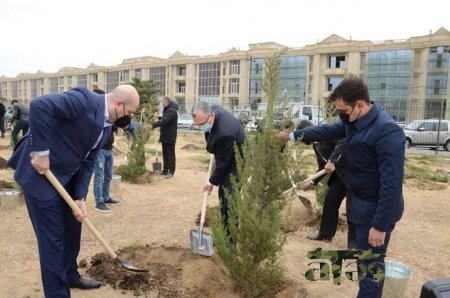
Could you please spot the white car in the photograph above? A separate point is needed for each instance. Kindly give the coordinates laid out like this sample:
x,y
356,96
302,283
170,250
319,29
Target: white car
x,y
430,132
186,121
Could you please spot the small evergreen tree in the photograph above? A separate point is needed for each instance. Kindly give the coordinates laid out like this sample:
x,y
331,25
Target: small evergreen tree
x,y
251,250
136,166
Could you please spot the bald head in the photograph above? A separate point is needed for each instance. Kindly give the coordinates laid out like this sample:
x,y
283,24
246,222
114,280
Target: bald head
x,y
123,100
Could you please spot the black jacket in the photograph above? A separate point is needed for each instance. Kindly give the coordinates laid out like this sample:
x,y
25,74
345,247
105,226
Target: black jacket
x,y
168,123
220,141
336,152
2,110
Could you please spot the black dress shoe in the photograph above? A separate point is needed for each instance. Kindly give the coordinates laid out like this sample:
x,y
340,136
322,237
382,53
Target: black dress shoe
x,y
85,284
319,237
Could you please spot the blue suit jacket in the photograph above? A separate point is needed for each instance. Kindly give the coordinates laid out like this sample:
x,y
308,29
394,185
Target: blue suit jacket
x,y
67,124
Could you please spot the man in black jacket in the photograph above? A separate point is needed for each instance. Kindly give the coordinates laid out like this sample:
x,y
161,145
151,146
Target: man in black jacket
x,y
332,156
222,132
2,119
168,136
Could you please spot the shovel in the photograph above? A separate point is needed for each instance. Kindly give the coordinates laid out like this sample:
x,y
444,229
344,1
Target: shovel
x,y
201,242
294,187
157,167
125,264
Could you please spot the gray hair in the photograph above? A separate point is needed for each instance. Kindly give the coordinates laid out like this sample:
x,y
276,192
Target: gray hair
x,y
202,106
166,98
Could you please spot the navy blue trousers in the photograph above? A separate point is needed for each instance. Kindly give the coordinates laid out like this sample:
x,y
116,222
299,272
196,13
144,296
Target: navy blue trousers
x,y
368,287
58,235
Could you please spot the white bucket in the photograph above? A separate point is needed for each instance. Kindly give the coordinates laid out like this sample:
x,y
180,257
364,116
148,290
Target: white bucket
x,y
396,276
115,185
10,199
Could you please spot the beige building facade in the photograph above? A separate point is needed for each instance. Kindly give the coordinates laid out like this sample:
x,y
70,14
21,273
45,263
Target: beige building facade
x,y
409,77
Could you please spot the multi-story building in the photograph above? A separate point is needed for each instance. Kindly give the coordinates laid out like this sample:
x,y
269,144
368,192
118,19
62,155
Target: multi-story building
x,y
408,77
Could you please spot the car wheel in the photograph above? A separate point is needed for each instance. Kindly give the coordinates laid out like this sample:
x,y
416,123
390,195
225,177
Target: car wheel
x,y
407,143
447,145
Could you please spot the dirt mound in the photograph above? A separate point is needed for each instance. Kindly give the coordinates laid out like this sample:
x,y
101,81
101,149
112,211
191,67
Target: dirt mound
x,y
425,185
191,147
5,185
173,272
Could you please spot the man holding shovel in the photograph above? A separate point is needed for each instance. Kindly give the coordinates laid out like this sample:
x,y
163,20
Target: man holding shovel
x,y
66,132
222,131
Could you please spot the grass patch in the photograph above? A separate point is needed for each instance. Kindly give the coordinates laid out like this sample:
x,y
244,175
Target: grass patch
x,y
201,158
421,173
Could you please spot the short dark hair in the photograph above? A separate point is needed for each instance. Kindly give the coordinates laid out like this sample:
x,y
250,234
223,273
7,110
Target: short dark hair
x,y
99,91
351,89
14,101
304,124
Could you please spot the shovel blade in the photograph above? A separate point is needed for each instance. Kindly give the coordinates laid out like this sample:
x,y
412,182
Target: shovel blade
x,y
205,247
129,266
157,166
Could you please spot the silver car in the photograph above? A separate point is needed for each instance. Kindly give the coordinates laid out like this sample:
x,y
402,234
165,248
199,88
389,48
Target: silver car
x,y
430,132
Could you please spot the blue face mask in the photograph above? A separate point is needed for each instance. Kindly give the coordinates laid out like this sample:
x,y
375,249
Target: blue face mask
x,y
206,127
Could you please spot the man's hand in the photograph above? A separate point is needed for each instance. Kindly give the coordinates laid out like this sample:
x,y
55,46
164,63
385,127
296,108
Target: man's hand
x,y
308,185
208,188
376,238
40,163
329,167
82,205
283,136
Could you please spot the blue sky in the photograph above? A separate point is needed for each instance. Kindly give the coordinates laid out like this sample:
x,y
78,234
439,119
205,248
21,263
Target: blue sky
x,y
49,34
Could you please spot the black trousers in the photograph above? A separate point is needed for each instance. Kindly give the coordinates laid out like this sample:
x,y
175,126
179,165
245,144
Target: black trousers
x,y
169,160
333,198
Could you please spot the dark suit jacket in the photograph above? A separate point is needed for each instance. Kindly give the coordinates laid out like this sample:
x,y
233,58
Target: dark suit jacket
x,y
67,124
168,124
225,133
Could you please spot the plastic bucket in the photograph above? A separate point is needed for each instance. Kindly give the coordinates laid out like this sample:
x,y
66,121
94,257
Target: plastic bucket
x,y
10,199
396,276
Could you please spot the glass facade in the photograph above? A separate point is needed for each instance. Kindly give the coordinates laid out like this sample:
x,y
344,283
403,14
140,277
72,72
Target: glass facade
x,y
389,80
439,57
112,80
82,81
53,82
256,73
158,76
209,82
293,77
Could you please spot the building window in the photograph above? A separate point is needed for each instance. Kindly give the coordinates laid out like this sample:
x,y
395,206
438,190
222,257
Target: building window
x,y
61,81
112,80
182,71
333,82
181,87
69,81
82,81
15,90
233,86
34,84
336,62
125,76
94,77
437,84
257,66
209,79
439,57
234,67
138,73
158,76
53,85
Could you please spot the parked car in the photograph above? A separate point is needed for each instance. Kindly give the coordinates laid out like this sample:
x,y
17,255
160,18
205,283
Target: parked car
x,y
185,121
430,132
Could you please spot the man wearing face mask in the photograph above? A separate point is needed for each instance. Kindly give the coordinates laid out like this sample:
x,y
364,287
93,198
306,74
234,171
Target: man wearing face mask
x,y
376,154
66,132
222,131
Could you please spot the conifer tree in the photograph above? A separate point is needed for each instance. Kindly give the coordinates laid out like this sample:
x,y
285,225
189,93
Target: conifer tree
x,y
251,251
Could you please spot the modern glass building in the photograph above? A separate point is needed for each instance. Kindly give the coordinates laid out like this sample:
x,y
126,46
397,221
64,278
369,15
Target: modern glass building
x,y
408,77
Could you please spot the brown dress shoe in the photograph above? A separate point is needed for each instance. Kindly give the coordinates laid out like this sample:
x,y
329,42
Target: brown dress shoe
x,y
319,237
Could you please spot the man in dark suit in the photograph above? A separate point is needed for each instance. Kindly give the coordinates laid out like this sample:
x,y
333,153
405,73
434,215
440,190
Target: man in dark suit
x,y
168,136
222,131
66,132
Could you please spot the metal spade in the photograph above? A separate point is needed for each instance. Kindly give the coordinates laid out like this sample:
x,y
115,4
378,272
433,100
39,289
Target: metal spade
x,y
125,264
202,242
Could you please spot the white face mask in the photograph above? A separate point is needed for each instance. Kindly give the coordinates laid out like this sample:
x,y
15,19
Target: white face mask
x,y
206,127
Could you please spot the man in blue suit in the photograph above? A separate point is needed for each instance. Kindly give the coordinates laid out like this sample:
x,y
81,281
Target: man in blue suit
x,y
376,153
66,132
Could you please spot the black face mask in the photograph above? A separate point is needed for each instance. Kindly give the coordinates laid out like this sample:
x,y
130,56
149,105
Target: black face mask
x,y
123,122
345,118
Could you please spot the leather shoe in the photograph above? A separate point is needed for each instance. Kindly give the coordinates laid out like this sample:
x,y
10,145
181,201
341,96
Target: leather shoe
x,y
85,284
319,237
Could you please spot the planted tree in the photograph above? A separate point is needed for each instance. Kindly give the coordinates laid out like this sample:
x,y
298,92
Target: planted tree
x,y
250,249
136,166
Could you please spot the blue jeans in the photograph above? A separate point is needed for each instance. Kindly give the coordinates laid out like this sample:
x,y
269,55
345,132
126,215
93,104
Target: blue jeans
x,y
103,170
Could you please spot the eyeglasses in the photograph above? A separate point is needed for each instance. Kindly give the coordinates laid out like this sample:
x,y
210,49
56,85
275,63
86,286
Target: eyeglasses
x,y
200,124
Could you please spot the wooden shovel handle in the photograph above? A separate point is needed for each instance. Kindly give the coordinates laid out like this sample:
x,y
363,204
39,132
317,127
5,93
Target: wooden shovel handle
x,y
205,196
316,175
65,195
